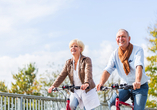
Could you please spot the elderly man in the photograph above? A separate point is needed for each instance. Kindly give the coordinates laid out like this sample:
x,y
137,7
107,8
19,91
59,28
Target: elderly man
x,y
128,59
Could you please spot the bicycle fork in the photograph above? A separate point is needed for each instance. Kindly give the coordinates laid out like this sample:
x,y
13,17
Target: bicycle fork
x,y
117,103
68,104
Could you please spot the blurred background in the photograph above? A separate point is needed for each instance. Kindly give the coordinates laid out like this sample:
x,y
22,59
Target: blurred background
x,y
39,31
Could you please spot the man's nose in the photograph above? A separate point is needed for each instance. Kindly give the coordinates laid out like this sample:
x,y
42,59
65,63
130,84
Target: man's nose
x,y
120,38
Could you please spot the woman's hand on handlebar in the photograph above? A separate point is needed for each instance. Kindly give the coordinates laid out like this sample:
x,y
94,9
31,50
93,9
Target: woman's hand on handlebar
x,y
84,86
50,89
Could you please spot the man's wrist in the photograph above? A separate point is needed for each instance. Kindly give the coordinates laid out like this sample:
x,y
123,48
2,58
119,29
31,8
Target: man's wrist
x,y
101,83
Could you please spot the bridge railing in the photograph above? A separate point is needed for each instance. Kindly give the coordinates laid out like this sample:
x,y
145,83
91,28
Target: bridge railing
x,y
10,101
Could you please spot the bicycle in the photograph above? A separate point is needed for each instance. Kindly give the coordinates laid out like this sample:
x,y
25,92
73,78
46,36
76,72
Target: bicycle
x,y
67,87
117,101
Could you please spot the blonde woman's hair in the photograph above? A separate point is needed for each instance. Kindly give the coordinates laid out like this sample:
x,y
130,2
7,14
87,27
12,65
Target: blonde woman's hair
x,y
80,44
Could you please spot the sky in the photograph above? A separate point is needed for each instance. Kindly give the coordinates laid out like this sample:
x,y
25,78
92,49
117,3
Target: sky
x,y
40,31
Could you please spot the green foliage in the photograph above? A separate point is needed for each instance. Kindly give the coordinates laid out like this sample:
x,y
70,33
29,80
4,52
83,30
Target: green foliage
x,y
106,95
3,87
48,78
26,82
151,69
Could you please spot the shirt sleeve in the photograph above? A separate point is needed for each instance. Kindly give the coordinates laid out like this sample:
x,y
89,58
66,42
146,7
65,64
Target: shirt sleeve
x,y
111,64
139,58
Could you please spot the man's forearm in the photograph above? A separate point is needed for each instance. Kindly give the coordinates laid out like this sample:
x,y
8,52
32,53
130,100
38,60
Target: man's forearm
x,y
138,73
104,77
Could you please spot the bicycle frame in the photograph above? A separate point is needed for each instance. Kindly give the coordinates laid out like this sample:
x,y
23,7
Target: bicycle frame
x,y
66,87
117,101
123,103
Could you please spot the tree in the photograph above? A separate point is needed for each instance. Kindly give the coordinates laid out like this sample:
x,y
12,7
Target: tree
x,y
3,87
151,69
26,82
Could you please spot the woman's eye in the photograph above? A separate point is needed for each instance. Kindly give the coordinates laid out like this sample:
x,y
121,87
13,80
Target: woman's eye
x,y
74,46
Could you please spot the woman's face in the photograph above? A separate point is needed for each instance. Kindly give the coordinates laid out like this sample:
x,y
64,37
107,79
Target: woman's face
x,y
75,49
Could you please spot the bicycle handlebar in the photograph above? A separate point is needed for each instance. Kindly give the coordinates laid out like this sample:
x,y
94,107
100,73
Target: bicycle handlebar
x,y
116,86
68,87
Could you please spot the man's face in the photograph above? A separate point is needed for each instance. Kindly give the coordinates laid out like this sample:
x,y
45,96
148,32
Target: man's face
x,y
122,39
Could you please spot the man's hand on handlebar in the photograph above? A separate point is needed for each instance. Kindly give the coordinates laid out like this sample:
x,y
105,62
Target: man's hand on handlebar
x,y
98,86
136,85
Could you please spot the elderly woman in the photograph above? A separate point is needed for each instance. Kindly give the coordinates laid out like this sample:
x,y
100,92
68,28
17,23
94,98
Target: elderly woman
x,y
79,71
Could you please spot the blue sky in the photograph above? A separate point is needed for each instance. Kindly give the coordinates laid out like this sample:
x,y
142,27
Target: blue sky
x,y
40,30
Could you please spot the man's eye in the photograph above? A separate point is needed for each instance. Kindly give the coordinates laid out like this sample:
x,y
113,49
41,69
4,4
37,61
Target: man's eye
x,y
76,46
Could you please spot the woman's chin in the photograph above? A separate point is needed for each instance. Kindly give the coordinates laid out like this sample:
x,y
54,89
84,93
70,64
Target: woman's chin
x,y
74,54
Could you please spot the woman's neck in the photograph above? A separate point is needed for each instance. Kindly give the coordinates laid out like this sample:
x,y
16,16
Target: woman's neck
x,y
76,57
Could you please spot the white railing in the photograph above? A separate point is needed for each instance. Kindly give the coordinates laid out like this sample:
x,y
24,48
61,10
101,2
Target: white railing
x,y
10,101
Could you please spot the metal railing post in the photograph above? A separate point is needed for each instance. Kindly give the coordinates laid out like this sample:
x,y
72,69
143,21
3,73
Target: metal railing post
x,y
21,103
8,103
1,103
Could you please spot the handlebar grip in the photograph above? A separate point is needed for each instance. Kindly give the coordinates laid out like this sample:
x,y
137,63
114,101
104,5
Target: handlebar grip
x,y
77,87
55,89
128,87
103,88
